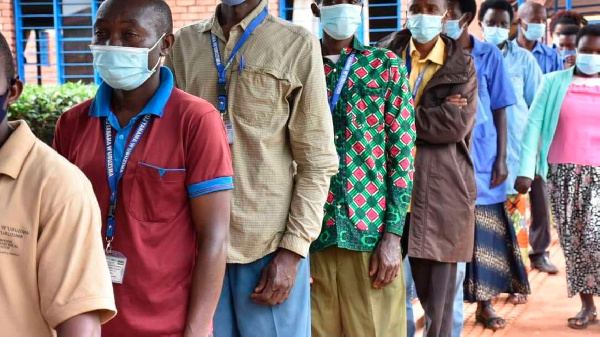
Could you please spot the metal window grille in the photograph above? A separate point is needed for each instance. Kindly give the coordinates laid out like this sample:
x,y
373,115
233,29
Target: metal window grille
x,y
380,18
384,17
52,40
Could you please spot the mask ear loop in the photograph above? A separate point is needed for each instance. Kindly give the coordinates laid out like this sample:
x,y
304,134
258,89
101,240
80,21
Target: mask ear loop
x,y
466,24
160,57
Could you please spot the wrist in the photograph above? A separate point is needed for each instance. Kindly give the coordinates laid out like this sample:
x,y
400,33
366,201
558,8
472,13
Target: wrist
x,y
192,332
391,237
288,255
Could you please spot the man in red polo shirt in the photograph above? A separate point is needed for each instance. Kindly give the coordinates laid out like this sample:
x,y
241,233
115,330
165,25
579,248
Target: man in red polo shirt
x,y
160,166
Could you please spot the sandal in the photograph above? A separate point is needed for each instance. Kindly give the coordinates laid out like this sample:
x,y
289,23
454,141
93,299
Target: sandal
x,y
517,299
493,323
581,323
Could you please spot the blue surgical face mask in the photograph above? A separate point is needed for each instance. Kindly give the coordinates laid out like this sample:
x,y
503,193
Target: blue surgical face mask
x,y
453,29
566,53
425,27
535,31
123,68
588,63
233,2
495,35
341,21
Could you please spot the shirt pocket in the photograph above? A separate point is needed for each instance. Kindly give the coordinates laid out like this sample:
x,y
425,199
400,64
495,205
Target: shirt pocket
x,y
158,194
518,81
259,98
368,103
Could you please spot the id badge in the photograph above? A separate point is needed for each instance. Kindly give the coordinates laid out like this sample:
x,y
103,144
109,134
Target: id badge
x,y
229,128
116,265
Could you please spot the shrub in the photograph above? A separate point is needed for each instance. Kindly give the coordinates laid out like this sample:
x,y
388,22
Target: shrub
x,y
41,106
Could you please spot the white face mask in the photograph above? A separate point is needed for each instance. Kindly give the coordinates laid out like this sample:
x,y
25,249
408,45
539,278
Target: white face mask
x,y
123,68
341,21
588,63
424,27
453,29
495,35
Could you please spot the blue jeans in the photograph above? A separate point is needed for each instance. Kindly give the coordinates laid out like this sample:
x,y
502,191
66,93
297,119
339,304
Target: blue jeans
x,y
458,318
410,294
238,316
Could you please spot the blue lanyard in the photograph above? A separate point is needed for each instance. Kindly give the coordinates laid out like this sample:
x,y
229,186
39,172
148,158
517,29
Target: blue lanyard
x,y
418,83
342,81
113,179
419,80
222,69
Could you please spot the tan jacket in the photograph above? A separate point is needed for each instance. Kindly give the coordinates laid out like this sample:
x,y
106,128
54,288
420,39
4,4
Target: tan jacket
x,y
442,218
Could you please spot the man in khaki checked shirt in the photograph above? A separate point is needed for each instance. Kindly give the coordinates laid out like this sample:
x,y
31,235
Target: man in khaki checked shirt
x,y
265,76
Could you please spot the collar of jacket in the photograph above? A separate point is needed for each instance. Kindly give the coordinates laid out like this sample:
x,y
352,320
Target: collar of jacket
x,y
454,70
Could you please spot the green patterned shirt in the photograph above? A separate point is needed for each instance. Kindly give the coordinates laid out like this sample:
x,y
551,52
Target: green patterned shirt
x,y
374,136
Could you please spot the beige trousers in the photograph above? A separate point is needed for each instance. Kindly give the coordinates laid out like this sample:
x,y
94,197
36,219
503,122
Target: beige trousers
x,y
344,302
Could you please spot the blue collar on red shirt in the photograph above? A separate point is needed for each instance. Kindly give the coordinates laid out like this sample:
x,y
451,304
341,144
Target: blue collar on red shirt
x,y
156,105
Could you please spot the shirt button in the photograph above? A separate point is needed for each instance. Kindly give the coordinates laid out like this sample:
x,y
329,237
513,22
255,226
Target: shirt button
x,y
335,70
121,137
337,137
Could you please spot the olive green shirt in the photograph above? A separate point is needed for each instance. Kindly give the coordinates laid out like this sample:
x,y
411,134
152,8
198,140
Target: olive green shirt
x,y
279,110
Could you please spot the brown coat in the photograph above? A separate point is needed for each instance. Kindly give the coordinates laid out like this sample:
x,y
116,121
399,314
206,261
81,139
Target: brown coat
x,y
444,192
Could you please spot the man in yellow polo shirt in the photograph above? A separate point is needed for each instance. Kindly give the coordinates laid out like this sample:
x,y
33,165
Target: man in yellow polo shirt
x,y
54,277
440,228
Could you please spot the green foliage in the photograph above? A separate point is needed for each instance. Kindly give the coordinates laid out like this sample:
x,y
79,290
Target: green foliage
x,y
41,106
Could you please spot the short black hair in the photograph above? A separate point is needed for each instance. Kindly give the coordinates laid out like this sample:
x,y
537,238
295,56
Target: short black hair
x,y
165,17
589,30
564,17
6,58
496,4
569,30
162,20
466,6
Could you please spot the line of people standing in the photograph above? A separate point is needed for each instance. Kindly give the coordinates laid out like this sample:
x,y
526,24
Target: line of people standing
x,y
345,159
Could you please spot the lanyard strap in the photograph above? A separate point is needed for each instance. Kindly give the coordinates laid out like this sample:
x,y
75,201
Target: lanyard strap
x,y
408,60
222,69
113,179
342,81
419,80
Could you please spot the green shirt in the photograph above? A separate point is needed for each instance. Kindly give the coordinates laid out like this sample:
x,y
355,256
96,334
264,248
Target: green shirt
x,y
374,136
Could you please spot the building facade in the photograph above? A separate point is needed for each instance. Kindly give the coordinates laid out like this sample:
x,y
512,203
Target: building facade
x,y
45,57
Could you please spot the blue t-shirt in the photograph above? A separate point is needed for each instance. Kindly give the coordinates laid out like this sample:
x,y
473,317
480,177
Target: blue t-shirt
x,y
548,59
495,92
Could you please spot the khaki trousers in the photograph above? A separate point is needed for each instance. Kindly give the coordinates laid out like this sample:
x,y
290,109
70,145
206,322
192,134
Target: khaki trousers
x,y
344,302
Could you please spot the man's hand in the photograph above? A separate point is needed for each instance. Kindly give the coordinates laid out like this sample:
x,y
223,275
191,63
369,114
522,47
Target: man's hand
x,y
385,261
457,100
499,172
277,279
523,184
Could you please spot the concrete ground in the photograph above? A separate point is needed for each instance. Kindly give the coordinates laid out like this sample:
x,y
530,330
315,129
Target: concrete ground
x,y
545,314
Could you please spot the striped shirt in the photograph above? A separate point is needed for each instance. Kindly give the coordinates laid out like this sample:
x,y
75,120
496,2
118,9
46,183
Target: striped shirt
x,y
280,115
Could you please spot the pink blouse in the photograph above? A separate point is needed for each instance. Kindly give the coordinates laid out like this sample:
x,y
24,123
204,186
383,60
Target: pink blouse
x,y
577,137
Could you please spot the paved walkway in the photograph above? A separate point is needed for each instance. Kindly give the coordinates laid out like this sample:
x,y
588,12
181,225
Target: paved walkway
x,y
545,314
